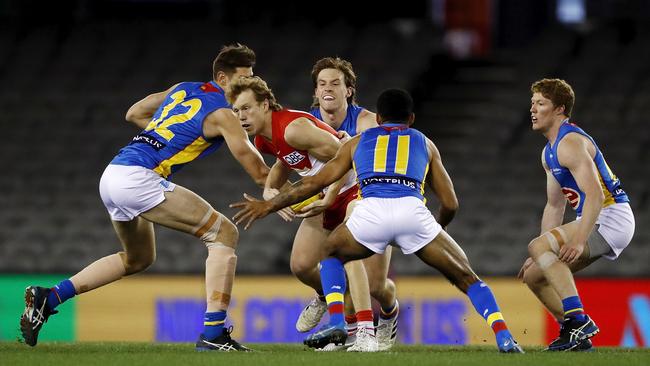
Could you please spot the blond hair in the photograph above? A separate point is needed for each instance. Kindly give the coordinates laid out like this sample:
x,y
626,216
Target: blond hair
x,y
259,88
558,91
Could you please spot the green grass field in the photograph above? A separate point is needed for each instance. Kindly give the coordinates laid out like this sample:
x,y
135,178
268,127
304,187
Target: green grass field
x,y
158,354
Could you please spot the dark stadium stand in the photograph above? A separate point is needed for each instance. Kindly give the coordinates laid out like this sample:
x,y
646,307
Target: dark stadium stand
x,y
64,92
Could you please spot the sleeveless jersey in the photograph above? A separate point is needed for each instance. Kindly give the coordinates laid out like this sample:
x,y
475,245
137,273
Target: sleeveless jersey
x,y
174,137
349,124
391,161
609,183
299,160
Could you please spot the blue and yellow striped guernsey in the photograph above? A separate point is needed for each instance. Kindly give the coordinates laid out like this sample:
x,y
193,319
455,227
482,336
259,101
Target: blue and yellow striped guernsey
x,y
391,161
609,183
174,137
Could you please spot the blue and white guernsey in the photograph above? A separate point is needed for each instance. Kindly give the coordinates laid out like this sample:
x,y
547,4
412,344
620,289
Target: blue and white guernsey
x,y
349,124
609,183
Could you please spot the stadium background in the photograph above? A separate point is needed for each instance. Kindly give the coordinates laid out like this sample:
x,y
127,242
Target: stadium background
x,y
69,71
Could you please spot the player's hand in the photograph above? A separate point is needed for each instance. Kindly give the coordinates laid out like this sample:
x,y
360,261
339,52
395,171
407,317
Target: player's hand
x,y
571,252
250,211
269,193
314,208
529,262
286,213
343,136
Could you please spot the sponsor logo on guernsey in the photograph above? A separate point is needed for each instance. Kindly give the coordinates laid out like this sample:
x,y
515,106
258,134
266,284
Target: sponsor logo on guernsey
x,y
572,196
294,158
409,183
143,138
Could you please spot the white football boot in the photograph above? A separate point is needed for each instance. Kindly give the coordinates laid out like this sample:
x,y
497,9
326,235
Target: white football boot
x,y
311,315
387,330
366,341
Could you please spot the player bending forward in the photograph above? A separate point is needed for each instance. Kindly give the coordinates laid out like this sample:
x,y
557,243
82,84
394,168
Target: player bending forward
x,y
391,162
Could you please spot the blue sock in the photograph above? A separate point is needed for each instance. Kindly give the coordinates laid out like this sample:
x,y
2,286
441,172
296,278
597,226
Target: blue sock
x,y
486,305
213,324
332,276
573,308
60,293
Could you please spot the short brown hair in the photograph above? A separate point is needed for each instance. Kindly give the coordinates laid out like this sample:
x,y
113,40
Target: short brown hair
x,y
257,86
344,66
558,91
231,57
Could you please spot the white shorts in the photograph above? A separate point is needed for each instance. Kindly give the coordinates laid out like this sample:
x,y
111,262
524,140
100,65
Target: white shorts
x,y
616,225
375,222
128,191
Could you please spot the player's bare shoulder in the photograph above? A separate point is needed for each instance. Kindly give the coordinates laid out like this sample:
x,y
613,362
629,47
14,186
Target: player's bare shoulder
x,y
219,122
366,120
432,149
297,127
574,145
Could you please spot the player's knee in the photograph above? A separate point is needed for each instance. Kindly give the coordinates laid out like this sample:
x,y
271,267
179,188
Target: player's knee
x,y
228,233
302,265
136,264
536,247
222,232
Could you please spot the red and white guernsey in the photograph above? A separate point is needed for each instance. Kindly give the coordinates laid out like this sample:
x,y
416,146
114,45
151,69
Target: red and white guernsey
x,y
299,160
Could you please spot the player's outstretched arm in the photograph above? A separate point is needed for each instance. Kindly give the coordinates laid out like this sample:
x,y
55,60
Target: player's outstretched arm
x,y
254,209
223,122
442,187
278,176
277,179
141,112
